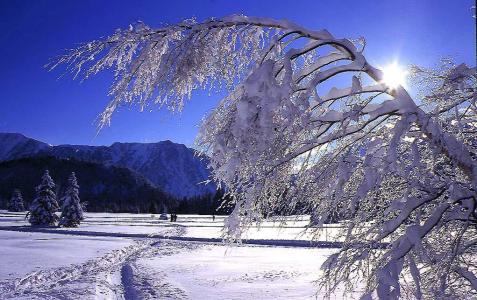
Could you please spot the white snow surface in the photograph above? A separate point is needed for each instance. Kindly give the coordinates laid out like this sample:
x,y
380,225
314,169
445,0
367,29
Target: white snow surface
x,y
221,272
26,252
138,256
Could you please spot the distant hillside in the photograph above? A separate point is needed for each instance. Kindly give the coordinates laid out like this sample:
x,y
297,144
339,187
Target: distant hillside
x,y
104,188
14,145
172,167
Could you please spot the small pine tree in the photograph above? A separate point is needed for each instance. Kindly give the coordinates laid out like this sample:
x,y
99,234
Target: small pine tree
x,y
72,210
16,202
42,210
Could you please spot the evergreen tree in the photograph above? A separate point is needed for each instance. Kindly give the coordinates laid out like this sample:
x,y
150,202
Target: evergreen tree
x,y
43,208
16,202
72,210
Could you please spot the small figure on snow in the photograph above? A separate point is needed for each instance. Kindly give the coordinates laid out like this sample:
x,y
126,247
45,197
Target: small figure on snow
x,y
72,211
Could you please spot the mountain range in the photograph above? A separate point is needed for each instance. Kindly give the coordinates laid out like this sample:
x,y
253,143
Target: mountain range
x,y
173,168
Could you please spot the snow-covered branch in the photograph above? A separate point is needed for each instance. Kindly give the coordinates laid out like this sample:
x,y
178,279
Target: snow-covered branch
x,y
401,177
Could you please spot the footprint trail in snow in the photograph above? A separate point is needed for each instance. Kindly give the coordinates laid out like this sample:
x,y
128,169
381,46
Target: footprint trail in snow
x,y
112,276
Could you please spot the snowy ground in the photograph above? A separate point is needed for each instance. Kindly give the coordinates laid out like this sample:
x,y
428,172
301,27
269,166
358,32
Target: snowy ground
x,y
138,256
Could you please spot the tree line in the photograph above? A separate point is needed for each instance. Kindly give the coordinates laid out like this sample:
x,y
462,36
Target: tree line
x,y
42,211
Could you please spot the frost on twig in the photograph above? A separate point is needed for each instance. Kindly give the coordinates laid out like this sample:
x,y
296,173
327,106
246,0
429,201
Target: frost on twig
x,y
400,178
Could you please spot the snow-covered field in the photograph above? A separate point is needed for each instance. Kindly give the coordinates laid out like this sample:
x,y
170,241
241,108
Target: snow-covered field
x,y
138,256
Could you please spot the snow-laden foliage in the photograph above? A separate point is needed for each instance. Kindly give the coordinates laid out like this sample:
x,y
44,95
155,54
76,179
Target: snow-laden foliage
x,y
16,202
401,177
43,208
72,210
163,66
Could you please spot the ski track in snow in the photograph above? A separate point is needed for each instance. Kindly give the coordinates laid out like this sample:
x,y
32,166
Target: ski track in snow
x,y
131,273
113,275
138,284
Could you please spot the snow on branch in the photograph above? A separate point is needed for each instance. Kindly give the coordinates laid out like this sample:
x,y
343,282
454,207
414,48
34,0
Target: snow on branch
x,y
400,178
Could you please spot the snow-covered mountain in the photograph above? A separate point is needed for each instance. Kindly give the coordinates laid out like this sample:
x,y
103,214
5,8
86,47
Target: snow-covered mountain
x,y
172,167
15,145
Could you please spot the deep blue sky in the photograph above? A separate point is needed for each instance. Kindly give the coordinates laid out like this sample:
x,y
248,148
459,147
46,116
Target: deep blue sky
x,y
35,103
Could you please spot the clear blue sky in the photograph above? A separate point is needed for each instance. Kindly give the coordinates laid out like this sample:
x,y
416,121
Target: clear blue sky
x,y
35,103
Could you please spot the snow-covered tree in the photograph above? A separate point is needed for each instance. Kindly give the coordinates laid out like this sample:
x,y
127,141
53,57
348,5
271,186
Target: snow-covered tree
x,y
72,210
402,175
43,208
16,202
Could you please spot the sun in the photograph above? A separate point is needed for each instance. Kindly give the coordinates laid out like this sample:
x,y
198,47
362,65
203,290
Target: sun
x,y
394,75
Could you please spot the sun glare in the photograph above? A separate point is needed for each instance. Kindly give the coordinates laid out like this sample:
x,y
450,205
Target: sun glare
x,y
394,75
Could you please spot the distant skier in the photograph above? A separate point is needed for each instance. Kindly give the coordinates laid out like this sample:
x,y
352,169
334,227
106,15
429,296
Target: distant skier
x,y
213,218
